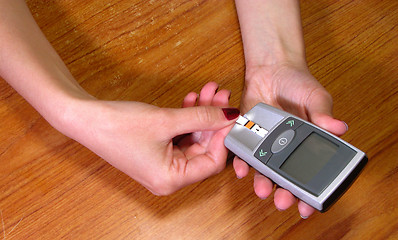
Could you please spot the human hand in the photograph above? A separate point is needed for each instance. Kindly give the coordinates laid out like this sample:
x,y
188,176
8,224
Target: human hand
x,y
137,138
294,90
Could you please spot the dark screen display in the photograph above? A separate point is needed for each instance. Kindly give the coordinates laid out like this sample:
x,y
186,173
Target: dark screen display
x,y
309,158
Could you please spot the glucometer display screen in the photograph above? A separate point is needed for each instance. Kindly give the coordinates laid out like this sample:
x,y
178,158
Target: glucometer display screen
x,y
309,158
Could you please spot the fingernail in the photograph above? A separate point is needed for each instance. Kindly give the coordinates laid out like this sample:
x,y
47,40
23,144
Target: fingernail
x,y
346,125
303,217
231,113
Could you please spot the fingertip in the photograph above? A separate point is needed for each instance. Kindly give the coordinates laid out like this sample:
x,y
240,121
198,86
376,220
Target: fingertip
x,y
213,86
190,100
338,127
283,199
330,124
241,168
221,98
262,186
305,210
231,113
207,93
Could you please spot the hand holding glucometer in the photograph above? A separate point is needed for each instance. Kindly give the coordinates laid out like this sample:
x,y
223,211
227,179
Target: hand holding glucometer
x,y
314,165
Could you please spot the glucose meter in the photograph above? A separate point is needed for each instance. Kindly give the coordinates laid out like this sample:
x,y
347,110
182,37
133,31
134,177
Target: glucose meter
x,y
314,165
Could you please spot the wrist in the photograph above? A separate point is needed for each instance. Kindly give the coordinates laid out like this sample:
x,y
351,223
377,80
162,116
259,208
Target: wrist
x,y
277,51
275,54
67,111
271,33
265,73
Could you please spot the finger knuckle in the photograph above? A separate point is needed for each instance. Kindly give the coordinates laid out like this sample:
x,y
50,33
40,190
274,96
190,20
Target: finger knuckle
x,y
204,115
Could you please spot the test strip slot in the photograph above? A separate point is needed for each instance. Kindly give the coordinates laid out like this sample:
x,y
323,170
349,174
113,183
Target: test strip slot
x,y
252,126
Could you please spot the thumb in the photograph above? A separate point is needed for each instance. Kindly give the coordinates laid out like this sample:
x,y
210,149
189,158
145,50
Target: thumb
x,y
320,113
201,118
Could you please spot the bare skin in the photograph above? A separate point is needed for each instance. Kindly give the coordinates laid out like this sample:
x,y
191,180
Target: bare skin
x,y
277,74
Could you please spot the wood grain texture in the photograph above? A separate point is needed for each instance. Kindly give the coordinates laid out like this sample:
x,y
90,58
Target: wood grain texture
x,y
158,51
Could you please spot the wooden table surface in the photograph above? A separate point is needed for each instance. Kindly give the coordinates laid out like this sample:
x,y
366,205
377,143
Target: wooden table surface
x,y
157,51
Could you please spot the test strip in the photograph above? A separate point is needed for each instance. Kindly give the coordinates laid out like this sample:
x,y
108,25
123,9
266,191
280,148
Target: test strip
x,y
252,126
242,120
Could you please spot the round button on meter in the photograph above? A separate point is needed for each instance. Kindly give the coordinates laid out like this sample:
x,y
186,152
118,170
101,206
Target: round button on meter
x,y
282,141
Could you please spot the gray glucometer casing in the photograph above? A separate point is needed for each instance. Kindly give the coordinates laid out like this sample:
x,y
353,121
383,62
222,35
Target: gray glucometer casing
x,y
314,165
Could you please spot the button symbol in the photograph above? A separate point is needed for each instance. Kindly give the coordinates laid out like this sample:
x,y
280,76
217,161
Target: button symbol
x,y
262,153
291,123
283,141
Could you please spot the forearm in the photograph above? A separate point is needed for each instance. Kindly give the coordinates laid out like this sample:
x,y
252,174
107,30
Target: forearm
x,y
31,66
271,32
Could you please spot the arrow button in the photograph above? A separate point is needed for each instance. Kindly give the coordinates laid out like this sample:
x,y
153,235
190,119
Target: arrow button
x,y
263,154
290,122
